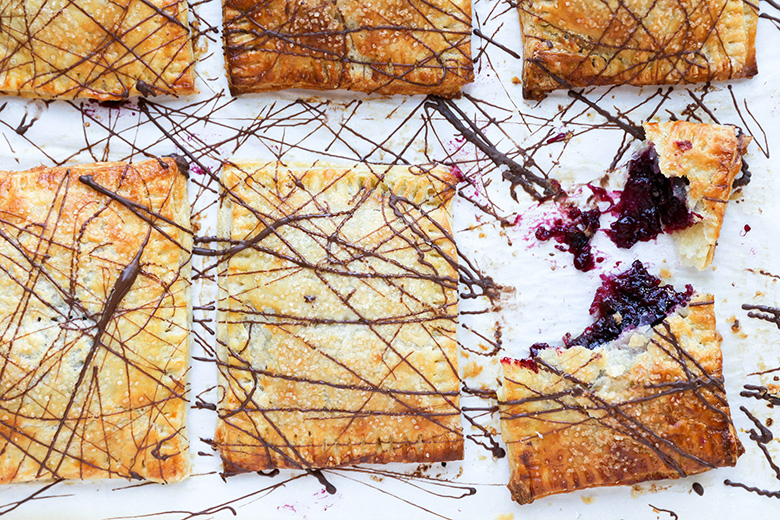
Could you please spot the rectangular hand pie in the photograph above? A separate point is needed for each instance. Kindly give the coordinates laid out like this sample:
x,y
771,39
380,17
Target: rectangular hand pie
x,y
385,46
337,317
95,49
637,42
94,314
649,405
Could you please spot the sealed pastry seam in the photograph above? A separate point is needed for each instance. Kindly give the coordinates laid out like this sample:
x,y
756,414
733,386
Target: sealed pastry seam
x,y
95,308
336,329
650,405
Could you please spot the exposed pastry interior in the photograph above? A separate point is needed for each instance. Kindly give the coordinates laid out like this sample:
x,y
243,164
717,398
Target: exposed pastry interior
x,y
648,405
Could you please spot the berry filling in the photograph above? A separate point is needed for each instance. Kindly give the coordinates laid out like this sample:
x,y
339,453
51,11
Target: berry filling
x,y
624,301
650,203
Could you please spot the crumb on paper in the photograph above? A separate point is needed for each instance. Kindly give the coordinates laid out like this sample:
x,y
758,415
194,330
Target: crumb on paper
x,y
472,369
505,516
588,499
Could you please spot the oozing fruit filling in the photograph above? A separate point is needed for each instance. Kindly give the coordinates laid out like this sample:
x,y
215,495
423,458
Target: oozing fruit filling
x,y
650,203
576,234
624,301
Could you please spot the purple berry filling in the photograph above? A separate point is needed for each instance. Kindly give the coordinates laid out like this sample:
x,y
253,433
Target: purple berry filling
x,y
650,204
628,300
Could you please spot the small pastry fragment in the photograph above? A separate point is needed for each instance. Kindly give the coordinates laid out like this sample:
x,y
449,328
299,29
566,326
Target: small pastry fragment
x,y
382,47
647,405
586,43
95,49
680,183
94,347
337,316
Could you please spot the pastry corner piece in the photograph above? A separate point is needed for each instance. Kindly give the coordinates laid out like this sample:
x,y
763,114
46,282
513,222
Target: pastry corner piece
x,y
93,49
590,42
94,283
650,405
708,158
381,47
337,317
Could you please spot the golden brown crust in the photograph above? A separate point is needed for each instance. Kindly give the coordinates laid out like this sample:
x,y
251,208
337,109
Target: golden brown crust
x,y
384,47
710,157
336,330
640,42
649,407
95,49
73,407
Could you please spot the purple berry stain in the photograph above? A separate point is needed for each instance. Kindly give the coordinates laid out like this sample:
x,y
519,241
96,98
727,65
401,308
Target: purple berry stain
x,y
573,232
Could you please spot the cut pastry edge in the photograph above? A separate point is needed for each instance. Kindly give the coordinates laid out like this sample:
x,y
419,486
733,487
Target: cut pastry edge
x,y
709,157
576,387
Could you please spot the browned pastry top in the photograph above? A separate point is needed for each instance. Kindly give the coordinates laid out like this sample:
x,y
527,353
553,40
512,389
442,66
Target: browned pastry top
x,y
648,406
577,43
94,322
95,48
382,46
337,317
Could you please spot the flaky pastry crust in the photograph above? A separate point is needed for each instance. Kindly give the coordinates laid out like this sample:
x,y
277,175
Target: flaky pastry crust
x,y
384,46
95,322
95,49
337,317
710,158
638,42
648,406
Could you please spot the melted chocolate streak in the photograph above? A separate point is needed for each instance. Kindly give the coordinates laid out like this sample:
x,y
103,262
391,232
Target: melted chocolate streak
x,y
762,436
766,313
82,404
618,416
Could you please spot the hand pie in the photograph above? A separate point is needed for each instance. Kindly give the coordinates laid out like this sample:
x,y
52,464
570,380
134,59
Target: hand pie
x,y
95,321
337,317
95,49
639,42
649,405
384,46
680,183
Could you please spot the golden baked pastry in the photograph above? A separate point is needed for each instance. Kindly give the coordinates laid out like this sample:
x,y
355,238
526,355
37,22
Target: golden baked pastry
x,y
337,317
710,158
95,49
385,47
650,405
95,320
638,42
